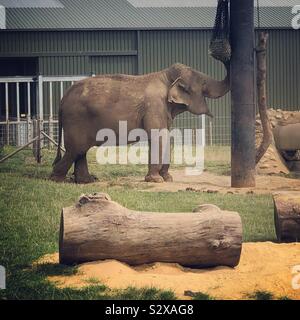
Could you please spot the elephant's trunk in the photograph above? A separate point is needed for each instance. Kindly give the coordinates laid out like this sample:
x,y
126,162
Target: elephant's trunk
x,y
216,89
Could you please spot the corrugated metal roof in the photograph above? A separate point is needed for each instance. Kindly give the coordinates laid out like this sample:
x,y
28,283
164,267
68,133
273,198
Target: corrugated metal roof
x,y
2,18
205,3
31,3
119,14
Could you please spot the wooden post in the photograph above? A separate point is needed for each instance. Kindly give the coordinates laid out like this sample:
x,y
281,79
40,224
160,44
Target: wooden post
x,y
242,93
37,143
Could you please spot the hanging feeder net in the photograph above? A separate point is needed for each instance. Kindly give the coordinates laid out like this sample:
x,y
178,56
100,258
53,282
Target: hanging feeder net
x,y
220,48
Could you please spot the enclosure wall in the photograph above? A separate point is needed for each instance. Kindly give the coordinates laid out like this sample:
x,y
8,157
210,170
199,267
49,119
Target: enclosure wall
x,y
138,52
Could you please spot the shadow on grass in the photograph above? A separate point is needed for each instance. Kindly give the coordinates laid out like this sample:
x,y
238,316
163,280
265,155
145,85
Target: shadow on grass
x,y
24,164
32,284
50,269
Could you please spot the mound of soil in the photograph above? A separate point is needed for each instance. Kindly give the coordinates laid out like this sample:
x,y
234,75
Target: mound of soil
x,y
272,162
264,266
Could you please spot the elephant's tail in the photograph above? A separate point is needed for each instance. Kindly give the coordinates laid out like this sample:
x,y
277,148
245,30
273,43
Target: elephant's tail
x,y
58,154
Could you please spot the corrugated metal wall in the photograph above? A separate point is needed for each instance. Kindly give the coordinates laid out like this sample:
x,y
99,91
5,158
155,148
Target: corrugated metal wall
x,y
83,52
283,79
161,49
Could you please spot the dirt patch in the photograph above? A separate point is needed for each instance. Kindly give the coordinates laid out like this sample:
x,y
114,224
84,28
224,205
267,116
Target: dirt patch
x,y
210,182
263,266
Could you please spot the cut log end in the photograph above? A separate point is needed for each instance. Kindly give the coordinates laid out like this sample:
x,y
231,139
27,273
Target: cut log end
x,y
287,216
99,229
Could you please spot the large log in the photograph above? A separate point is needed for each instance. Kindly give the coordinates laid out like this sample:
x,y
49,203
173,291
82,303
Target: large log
x,y
287,216
98,228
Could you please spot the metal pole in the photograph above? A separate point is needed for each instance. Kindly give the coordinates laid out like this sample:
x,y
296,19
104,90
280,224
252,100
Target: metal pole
x,y
40,98
203,130
7,113
210,132
52,140
51,109
242,94
40,105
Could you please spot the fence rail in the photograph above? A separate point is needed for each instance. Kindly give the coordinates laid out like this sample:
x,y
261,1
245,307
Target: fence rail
x,y
23,99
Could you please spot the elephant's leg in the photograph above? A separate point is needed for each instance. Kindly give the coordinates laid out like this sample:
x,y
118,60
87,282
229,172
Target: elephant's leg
x,y
153,173
153,169
164,172
156,123
81,170
61,169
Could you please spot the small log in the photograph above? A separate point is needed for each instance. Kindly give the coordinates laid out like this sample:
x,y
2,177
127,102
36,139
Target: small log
x,y
287,216
98,228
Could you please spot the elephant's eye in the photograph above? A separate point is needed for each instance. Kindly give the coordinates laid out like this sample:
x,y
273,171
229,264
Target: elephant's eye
x,y
184,87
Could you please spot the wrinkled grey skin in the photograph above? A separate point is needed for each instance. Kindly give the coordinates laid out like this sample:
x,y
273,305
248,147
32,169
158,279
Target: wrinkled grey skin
x,y
148,101
287,138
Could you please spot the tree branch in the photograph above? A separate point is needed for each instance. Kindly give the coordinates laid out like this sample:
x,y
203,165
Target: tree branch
x,y
261,96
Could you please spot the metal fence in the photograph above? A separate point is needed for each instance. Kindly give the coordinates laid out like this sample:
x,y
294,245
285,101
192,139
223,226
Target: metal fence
x,y
23,99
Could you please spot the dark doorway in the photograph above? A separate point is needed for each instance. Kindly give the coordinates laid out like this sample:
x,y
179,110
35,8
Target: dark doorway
x,y
18,67
10,67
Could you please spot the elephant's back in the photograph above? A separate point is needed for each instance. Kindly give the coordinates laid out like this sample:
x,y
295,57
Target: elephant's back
x,y
287,137
103,101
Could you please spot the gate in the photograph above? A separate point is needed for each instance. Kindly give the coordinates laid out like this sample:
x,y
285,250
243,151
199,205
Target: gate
x,y
24,99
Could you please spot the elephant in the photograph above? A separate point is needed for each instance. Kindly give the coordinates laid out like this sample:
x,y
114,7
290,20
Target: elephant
x,y
149,101
287,138
287,141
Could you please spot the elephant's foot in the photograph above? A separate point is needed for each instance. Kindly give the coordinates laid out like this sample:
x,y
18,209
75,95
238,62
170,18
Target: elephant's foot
x,y
86,179
167,177
154,178
57,178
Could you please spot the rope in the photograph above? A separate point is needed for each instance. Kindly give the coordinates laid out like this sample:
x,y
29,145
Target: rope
x,y
258,13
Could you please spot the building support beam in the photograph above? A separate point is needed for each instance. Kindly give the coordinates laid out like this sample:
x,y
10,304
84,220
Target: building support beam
x,y
139,53
242,93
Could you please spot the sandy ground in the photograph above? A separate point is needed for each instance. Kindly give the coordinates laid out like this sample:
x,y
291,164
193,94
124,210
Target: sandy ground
x,y
210,182
263,266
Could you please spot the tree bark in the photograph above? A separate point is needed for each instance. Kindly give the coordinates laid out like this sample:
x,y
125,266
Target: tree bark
x,y
287,216
98,228
262,96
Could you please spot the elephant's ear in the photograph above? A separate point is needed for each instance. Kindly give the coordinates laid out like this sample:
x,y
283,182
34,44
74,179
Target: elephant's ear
x,y
178,93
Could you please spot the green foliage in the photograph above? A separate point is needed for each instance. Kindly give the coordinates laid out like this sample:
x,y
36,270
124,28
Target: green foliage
x,y
261,295
202,296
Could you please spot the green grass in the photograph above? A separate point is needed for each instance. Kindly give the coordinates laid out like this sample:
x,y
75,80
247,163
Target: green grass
x,y
265,295
198,295
30,208
261,295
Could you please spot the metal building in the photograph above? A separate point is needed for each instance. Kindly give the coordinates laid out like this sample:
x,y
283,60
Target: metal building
x,y
75,37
